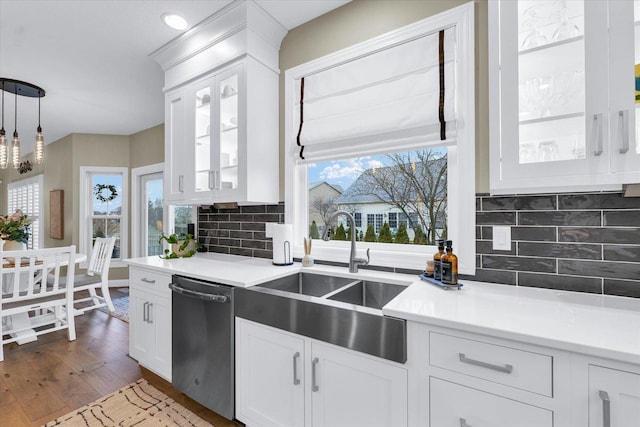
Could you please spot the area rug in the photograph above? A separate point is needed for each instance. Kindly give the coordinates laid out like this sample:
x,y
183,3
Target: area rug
x,y
138,404
120,299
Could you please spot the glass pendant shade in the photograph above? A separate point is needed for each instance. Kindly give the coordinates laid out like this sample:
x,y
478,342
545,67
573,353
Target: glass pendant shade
x,y
39,149
15,151
4,150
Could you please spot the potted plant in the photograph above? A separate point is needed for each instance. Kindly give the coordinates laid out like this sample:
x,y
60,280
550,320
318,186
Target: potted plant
x,y
183,245
14,230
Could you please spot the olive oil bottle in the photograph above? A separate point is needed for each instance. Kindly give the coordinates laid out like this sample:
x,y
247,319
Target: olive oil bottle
x,y
449,266
436,261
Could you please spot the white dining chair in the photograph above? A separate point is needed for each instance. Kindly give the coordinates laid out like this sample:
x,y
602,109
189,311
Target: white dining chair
x,y
96,277
27,307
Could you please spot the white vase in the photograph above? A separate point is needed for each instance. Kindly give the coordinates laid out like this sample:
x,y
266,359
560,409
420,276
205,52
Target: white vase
x,y
13,245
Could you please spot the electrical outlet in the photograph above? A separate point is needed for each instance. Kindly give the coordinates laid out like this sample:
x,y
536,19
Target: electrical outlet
x,y
501,238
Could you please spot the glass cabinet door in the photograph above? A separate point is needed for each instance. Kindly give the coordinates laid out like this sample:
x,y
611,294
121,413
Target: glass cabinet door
x,y
203,113
624,63
228,88
543,87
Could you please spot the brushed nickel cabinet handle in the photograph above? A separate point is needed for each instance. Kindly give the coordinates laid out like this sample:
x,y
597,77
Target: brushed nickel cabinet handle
x,y
506,368
149,281
606,408
624,136
296,380
597,119
314,380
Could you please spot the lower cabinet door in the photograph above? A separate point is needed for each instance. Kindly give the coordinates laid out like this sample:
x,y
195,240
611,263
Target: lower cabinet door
x,y
159,314
349,390
614,398
269,376
453,405
141,333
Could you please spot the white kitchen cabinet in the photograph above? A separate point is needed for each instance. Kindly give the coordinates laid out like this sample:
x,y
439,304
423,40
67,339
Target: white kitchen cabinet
x,y
453,405
342,387
176,165
221,137
269,376
150,320
563,111
348,389
614,397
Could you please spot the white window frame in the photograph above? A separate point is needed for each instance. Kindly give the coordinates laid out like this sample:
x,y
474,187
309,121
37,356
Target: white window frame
x,y
38,179
137,210
460,157
86,200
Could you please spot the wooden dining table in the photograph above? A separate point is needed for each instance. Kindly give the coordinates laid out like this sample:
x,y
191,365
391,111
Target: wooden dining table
x,y
22,320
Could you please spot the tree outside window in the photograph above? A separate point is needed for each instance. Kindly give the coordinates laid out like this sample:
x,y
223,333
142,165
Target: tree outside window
x,y
408,188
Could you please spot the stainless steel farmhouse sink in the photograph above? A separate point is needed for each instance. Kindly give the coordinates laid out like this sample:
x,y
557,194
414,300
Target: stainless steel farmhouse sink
x,y
368,294
307,284
339,310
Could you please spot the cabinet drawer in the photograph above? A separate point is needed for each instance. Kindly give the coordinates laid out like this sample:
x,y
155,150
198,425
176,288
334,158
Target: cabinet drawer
x,y
150,280
504,365
453,405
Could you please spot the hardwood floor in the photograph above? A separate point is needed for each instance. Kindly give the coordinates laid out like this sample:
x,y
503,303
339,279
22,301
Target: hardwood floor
x,y
43,380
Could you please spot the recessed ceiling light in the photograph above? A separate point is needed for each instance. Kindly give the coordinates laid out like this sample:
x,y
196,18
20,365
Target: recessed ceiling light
x,y
176,22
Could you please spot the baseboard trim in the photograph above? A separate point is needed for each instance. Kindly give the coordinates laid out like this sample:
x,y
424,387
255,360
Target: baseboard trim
x,y
119,283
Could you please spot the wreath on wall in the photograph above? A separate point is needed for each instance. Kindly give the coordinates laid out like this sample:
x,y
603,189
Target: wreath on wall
x,y
98,192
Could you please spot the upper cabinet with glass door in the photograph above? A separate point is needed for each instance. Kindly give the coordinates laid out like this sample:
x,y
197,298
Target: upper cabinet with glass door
x,y
221,109
563,109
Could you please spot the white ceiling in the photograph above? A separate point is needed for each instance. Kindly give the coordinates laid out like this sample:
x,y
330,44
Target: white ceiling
x,y
91,58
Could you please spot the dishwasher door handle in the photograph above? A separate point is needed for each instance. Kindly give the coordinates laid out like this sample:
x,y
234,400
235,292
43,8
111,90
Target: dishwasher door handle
x,y
199,295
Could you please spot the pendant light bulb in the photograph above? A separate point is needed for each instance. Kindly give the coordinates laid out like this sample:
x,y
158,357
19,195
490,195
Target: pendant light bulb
x,y
15,149
39,148
4,148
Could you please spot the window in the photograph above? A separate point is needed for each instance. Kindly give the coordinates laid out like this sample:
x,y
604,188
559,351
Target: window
x,y
357,216
393,219
418,147
103,208
26,195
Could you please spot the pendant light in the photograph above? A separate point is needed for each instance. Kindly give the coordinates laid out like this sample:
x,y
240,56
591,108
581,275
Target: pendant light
x,y
38,151
15,143
21,88
4,149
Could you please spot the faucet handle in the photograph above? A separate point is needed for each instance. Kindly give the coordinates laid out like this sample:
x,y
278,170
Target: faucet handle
x,y
362,261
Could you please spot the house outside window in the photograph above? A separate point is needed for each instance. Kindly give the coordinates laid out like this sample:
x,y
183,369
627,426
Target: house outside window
x,y
103,209
26,195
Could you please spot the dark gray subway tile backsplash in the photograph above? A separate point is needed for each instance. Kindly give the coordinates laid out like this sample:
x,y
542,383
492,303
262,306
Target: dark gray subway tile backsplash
x,y
585,242
238,231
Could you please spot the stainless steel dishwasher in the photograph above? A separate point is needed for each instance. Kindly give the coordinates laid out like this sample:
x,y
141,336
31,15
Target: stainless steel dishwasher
x,y
203,343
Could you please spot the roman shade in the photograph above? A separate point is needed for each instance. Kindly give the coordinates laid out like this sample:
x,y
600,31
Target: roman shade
x,y
400,96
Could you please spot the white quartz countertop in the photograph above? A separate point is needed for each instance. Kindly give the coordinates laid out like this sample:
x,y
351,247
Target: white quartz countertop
x,y
598,325
232,270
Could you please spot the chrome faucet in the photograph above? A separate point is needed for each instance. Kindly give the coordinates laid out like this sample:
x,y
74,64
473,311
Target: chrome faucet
x,y
353,261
